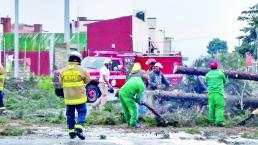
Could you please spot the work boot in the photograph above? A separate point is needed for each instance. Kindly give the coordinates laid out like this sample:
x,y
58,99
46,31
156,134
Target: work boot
x,y
79,133
220,125
72,135
140,119
136,125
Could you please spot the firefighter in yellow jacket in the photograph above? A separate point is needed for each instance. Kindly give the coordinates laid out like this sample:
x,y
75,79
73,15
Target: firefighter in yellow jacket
x,y
73,77
2,108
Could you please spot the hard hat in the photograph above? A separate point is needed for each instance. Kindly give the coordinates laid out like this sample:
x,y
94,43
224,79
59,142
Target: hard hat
x,y
75,56
158,65
107,61
136,67
214,64
255,112
150,61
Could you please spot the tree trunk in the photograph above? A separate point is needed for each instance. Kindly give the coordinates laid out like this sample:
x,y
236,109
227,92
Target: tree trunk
x,y
201,98
229,73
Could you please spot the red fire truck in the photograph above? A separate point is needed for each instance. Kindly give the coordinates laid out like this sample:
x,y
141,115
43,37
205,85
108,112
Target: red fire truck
x,y
121,64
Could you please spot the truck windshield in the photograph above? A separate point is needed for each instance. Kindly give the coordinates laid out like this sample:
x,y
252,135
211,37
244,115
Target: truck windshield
x,y
92,62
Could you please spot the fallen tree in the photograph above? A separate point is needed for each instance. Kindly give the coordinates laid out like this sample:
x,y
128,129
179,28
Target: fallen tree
x,y
202,99
229,73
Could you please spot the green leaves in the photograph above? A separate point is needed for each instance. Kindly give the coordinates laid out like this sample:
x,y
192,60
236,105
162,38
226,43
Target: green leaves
x,y
248,40
217,46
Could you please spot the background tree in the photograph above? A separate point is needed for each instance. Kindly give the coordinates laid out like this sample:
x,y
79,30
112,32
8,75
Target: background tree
x,y
249,16
217,46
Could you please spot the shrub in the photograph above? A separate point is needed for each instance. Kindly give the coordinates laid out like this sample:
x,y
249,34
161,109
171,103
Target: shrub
x,y
45,83
150,121
12,132
200,120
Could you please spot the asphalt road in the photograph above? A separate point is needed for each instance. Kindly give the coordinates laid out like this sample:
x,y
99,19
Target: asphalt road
x,y
59,136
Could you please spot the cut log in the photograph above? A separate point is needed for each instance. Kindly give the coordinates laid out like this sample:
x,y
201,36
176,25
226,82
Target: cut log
x,y
229,73
201,98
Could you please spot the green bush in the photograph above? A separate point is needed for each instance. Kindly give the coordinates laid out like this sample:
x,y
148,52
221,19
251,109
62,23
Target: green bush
x,y
109,107
150,121
4,120
12,132
231,120
200,120
45,83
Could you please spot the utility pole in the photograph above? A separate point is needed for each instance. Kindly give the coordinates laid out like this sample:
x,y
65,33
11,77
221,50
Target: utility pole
x,y
51,53
256,30
78,29
16,39
67,26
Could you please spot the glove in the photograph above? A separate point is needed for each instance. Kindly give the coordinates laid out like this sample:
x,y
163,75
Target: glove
x,y
111,90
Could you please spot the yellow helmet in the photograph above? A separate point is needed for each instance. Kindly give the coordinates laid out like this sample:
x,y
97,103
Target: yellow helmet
x,y
136,67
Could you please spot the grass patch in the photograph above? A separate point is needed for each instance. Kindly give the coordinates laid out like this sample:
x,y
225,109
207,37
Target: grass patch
x,y
27,122
187,117
41,121
4,120
110,115
150,121
193,131
101,117
250,135
12,132
201,120
232,119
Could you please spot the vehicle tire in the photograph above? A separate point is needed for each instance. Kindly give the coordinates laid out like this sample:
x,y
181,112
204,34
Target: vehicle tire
x,y
93,93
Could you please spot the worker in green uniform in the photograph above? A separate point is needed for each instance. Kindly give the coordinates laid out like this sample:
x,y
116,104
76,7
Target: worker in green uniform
x,y
215,80
130,94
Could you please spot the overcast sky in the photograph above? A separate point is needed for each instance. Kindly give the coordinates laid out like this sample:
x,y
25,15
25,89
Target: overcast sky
x,y
192,23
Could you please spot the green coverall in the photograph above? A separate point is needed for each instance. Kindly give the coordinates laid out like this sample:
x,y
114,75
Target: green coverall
x,y
130,93
215,80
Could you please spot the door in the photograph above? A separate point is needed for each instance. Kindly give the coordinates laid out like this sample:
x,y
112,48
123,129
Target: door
x,y
117,75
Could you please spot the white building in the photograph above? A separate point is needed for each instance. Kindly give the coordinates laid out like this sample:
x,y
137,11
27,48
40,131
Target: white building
x,y
158,40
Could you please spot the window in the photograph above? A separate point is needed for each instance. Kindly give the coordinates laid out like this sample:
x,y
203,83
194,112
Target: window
x,y
115,64
91,62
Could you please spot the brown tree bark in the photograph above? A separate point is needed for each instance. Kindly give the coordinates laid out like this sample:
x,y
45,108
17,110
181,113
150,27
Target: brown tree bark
x,y
229,73
201,98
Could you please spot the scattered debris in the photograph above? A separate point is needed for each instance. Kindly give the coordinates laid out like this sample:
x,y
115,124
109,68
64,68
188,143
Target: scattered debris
x,y
103,137
193,131
165,136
